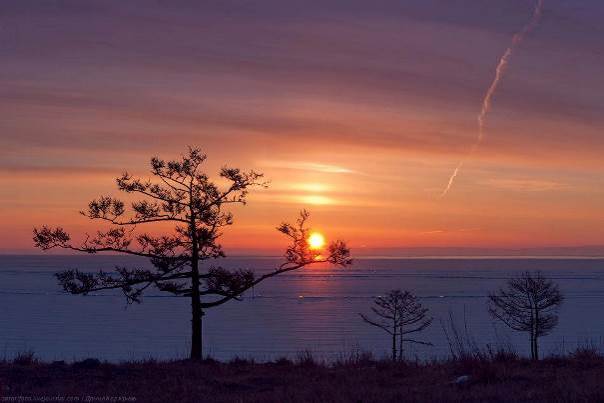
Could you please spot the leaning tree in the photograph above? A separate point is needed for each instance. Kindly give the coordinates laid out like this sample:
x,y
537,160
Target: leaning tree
x,y
399,313
180,194
528,303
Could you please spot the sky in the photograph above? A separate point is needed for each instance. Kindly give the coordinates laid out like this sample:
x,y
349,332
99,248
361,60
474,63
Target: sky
x,y
356,110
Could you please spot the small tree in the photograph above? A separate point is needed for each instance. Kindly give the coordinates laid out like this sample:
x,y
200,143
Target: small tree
x,y
183,195
528,303
399,313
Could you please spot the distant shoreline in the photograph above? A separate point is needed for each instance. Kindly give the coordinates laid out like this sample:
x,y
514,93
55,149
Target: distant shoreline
x,y
358,257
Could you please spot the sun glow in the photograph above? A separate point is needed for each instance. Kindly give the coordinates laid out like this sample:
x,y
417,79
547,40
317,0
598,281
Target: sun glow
x,y
316,200
311,187
316,241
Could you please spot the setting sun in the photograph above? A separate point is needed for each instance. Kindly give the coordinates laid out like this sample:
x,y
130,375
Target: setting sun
x,y
316,240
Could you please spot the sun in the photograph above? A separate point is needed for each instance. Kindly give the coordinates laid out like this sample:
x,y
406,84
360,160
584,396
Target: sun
x,y
316,240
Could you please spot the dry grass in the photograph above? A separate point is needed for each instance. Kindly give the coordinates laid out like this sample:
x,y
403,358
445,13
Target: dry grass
x,y
498,378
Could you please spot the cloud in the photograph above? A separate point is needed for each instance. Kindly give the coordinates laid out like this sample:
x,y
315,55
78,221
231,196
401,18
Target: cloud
x,y
307,166
400,77
449,231
41,172
433,232
526,185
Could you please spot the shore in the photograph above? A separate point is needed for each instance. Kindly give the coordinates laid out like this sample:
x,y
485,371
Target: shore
x,y
499,378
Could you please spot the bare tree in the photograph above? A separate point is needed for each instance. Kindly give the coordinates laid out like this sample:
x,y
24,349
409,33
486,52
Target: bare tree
x,y
399,313
528,303
182,195
412,319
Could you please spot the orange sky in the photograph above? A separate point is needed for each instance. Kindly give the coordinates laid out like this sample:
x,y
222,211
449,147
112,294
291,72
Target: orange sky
x,y
358,114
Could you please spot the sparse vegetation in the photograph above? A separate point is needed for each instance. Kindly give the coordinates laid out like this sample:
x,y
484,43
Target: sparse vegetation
x,y
357,378
25,358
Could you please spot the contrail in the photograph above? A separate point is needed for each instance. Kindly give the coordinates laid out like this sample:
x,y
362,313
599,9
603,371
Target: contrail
x,y
488,96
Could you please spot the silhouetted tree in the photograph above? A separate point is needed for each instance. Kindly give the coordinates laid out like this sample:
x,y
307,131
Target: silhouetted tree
x,y
180,194
529,304
413,319
399,313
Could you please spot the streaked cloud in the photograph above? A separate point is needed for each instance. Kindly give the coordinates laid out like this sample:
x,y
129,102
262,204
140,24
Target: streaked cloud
x,y
307,166
449,231
311,187
527,185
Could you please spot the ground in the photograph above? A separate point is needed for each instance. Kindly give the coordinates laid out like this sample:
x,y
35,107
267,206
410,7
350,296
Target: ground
x,y
500,378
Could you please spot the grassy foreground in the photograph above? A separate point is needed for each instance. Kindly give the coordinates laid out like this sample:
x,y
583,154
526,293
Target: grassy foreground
x,y
499,378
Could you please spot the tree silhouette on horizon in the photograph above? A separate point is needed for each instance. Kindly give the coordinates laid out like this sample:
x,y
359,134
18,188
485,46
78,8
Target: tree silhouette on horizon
x,y
528,303
399,313
183,195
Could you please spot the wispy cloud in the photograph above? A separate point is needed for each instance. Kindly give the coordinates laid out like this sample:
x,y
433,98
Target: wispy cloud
x,y
308,166
449,231
42,172
433,232
310,187
526,185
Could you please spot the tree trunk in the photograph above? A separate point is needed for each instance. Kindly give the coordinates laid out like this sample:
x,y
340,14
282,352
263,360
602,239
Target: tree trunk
x,y
400,344
536,335
196,311
394,345
534,347
533,330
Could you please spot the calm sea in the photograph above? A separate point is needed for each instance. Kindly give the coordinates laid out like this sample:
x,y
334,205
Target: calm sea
x,y
314,309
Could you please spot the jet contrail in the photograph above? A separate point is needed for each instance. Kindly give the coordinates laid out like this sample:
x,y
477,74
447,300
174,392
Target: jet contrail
x,y
488,96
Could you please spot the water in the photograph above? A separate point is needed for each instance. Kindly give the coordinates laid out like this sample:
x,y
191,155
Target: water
x,y
314,309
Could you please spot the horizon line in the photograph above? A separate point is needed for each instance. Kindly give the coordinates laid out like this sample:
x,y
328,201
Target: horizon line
x,y
354,257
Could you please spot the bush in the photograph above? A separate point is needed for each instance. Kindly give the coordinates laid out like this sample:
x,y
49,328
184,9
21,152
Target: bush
x,y
356,358
25,358
240,362
284,362
88,363
586,353
306,359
